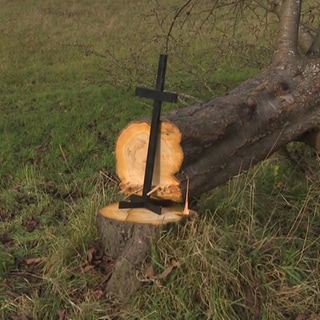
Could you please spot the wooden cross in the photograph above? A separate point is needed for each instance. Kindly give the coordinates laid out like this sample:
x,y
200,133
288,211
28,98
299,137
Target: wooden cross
x,y
158,96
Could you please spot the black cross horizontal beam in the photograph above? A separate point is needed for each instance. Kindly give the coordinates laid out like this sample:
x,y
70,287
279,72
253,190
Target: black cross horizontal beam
x,y
140,202
156,95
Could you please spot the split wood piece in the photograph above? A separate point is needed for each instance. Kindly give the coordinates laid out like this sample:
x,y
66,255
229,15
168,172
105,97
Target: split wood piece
x,y
126,236
131,154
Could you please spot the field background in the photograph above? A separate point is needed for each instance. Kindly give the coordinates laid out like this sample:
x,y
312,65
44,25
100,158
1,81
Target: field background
x,y
68,73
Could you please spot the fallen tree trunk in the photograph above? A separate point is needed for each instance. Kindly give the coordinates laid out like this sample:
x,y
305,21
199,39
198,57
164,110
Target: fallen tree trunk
x,y
228,134
231,133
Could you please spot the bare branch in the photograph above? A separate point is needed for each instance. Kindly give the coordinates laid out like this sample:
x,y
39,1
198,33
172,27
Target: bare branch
x,y
288,31
314,49
178,13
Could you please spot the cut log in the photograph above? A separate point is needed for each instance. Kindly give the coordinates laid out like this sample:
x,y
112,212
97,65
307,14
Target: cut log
x,y
131,155
229,134
126,235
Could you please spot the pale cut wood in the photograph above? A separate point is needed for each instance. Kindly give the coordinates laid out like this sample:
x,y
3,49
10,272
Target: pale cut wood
x,y
145,216
131,154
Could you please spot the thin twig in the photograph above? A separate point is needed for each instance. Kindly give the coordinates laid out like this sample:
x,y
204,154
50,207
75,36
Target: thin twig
x,y
176,16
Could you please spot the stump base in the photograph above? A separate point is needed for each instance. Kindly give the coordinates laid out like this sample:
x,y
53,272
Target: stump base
x,y
126,235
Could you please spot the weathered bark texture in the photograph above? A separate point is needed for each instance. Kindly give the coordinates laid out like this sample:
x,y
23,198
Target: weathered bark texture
x,y
126,236
288,32
233,132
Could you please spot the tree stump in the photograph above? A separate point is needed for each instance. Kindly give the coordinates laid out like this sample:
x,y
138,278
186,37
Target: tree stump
x,y
126,234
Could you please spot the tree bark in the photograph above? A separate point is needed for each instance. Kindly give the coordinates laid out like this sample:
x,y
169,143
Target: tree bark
x,y
126,236
230,133
288,32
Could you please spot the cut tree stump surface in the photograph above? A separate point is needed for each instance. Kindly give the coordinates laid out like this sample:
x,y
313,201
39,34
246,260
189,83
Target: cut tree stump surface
x,y
131,154
142,215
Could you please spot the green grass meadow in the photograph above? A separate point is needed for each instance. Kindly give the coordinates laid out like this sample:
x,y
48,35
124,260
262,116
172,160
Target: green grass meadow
x,y
68,73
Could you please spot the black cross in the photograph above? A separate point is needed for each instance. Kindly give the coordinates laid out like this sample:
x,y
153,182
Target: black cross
x,y
158,96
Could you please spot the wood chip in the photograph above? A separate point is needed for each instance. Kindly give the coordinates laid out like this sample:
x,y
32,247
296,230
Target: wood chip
x,y
29,261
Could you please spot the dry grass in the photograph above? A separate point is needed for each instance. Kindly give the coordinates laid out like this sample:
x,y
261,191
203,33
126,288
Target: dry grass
x,y
253,255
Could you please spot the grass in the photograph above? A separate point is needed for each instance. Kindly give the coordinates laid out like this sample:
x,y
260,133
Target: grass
x,y
68,73
246,258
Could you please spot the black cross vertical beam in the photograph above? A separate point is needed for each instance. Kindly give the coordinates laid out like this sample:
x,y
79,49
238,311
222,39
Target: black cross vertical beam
x,y
158,96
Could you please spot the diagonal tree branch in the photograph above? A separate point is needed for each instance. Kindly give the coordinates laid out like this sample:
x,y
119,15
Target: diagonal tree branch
x,y
288,32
